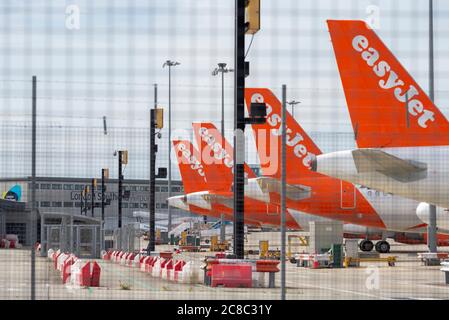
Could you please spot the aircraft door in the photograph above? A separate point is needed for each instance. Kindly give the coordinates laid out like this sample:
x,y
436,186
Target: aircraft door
x,y
348,195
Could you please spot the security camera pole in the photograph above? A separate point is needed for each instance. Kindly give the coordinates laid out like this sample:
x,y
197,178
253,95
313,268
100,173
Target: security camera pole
x,y
86,191
239,128
151,206
122,159
250,9
104,176
92,194
156,122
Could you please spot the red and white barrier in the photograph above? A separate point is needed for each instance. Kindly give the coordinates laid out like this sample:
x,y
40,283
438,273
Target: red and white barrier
x,y
177,268
11,241
156,267
189,273
81,273
143,264
167,270
135,263
85,274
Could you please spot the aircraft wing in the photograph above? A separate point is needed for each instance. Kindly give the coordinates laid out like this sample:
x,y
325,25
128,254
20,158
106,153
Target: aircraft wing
x,y
225,198
403,170
294,191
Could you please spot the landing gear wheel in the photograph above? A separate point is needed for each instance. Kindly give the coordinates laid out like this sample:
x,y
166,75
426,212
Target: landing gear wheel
x,y
382,246
366,245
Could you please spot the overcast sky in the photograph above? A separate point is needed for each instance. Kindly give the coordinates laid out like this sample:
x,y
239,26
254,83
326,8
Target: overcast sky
x,y
107,67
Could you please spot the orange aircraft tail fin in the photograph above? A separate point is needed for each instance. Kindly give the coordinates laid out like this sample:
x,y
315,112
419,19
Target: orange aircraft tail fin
x,y
217,156
190,167
387,107
300,148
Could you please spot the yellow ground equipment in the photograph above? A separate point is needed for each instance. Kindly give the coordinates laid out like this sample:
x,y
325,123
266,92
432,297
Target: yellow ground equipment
x,y
263,249
302,242
183,241
216,246
266,253
391,260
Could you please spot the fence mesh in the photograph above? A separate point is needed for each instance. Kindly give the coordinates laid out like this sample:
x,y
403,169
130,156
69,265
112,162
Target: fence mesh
x,y
97,64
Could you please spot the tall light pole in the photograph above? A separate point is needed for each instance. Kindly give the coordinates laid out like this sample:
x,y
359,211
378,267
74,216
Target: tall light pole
x,y
293,104
169,64
222,69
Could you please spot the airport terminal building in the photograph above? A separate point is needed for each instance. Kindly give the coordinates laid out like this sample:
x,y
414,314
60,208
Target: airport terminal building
x,y
59,196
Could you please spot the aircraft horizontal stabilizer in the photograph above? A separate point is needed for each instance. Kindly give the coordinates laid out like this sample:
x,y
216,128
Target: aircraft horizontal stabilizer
x,y
369,160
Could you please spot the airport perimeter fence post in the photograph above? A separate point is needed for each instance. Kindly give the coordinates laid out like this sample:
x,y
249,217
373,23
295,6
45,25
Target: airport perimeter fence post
x,y
33,191
283,188
432,227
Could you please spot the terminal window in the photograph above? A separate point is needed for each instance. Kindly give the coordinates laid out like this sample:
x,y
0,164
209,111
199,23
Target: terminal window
x,y
56,204
45,204
56,186
68,186
68,204
45,186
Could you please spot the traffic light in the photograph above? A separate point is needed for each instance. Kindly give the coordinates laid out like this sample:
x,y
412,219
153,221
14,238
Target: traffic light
x,y
125,157
257,113
161,173
106,173
252,16
159,113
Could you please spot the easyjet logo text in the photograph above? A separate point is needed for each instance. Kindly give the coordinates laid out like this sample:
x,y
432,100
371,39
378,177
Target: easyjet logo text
x,y
190,159
293,139
218,152
390,81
